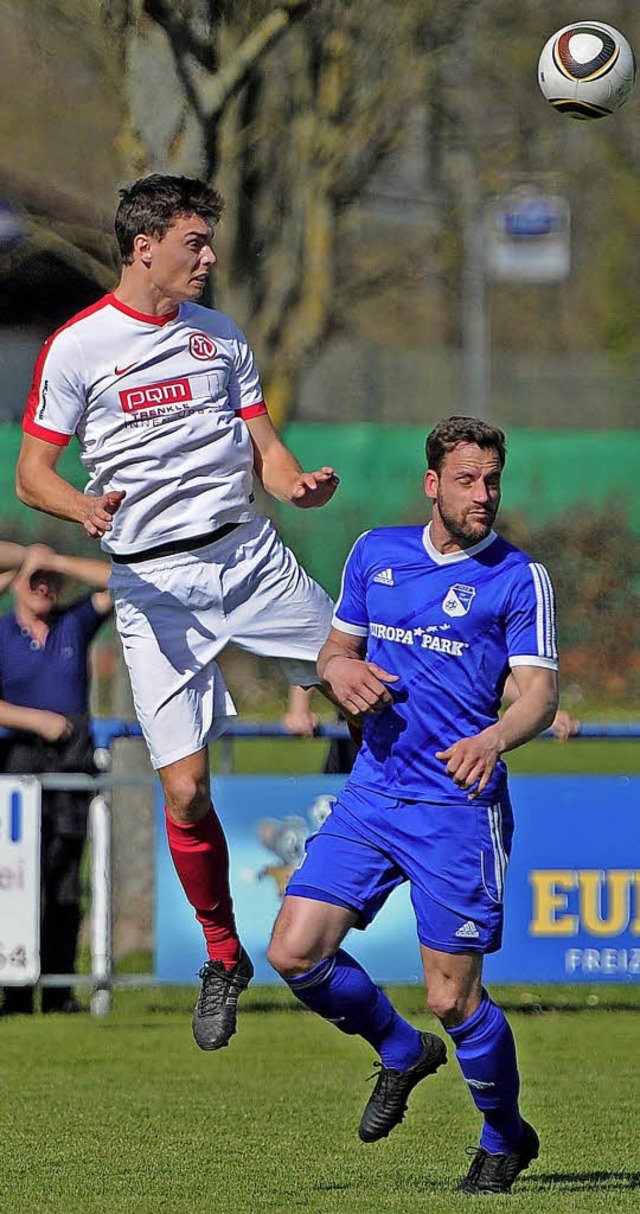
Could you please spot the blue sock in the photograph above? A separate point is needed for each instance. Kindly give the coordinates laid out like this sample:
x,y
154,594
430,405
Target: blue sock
x,y
486,1053
341,991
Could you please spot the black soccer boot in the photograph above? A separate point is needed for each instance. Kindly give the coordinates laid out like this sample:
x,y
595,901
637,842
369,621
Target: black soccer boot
x,y
388,1102
214,1017
496,1173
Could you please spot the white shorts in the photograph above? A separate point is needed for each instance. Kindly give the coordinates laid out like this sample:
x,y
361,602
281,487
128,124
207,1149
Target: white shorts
x,y
175,614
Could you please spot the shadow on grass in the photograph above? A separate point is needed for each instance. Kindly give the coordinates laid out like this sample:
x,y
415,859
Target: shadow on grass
x,y
258,1006
576,1182
540,1007
552,1182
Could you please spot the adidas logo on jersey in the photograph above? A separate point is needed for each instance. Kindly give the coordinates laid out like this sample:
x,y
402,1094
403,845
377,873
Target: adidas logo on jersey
x,y
385,577
468,931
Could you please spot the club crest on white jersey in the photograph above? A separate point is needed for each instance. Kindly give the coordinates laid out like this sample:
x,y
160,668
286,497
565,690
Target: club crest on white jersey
x,y
202,347
458,599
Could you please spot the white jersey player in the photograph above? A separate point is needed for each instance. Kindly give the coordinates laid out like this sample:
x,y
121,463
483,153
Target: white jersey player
x,y
165,400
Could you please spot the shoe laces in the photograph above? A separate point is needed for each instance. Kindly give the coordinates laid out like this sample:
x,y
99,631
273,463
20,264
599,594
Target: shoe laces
x,y
380,1074
479,1155
217,983
384,1086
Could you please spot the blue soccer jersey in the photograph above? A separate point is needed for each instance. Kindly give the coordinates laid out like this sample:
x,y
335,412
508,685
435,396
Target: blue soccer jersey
x,y
450,626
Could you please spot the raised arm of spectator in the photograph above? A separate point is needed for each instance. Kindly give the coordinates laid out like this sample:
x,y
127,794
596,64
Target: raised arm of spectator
x,y
6,579
11,559
85,569
280,473
11,556
298,718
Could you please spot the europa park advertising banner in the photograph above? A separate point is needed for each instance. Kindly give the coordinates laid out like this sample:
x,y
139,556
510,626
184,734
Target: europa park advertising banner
x,y
572,909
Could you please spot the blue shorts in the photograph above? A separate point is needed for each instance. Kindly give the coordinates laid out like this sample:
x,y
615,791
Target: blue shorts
x,y
453,856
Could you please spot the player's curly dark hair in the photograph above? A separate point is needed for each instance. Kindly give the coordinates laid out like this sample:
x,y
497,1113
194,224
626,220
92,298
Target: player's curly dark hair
x,y
152,204
453,430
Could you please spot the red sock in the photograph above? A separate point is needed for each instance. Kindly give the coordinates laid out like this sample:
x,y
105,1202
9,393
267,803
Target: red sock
x,y
201,859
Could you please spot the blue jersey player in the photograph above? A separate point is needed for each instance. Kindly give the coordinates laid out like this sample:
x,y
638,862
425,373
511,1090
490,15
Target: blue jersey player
x,y
430,623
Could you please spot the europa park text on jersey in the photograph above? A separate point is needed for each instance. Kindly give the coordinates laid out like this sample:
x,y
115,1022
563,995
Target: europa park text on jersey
x,y
457,602
422,638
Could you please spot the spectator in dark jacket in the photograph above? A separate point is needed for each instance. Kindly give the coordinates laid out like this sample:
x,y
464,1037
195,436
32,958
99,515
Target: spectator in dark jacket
x,y
44,702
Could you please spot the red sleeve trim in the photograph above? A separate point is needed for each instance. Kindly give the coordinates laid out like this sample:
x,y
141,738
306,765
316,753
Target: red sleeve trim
x,y
33,397
250,411
49,436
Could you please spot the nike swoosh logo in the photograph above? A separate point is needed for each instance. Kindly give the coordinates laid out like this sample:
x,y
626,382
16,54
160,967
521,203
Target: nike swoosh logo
x,y
123,370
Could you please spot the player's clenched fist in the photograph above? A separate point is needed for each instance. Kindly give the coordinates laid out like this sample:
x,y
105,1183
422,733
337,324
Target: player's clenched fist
x,y
100,511
359,687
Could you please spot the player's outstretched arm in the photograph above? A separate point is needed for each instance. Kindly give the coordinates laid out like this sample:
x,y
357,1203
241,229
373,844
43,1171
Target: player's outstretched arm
x,y
358,686
40,486
281,474
471,761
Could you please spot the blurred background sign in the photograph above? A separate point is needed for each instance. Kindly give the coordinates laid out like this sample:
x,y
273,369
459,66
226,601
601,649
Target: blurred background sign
x,y
19,880
527,238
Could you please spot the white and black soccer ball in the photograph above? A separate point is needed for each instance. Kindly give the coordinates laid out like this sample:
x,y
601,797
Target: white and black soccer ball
x,y
587,70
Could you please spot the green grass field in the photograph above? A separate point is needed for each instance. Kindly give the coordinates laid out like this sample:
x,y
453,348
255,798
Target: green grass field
x,y
125,1114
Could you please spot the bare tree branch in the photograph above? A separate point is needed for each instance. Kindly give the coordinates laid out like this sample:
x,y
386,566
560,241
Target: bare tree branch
x,y
46,240
40,197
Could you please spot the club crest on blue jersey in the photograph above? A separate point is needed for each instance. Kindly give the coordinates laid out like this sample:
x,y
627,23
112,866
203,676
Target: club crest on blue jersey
x,y
458,599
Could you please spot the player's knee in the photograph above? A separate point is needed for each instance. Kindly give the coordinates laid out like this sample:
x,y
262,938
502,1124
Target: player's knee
x,y
287,960
282,959
188,798
448,1004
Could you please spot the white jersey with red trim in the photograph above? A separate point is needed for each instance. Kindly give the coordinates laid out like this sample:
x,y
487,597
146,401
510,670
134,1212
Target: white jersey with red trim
x,y
157,404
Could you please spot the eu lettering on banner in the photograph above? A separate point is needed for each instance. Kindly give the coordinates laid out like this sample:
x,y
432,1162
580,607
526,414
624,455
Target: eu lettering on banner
x,y
572,912
19,880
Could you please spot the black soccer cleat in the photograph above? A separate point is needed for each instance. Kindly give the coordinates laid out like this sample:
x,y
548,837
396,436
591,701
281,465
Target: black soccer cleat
x,y
496,1173
388,1102
214,1017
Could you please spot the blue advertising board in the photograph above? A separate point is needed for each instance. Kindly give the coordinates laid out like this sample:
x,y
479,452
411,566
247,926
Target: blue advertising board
x,y
572,910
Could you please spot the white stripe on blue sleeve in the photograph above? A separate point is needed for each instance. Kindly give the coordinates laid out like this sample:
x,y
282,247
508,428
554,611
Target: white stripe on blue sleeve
x,y
545,613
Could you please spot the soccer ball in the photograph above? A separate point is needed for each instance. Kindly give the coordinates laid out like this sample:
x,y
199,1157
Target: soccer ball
x,y
587,70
